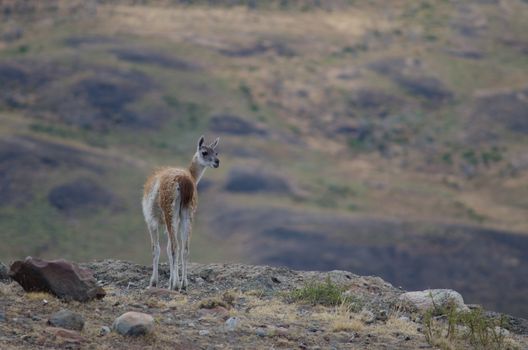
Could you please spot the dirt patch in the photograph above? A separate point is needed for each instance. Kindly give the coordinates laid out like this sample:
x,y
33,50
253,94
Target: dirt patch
x,y
409,74
146,56
234,125
372,103
509,110
249,181
260,48
429,88
81,194
25,161
100,101
91,97
78,41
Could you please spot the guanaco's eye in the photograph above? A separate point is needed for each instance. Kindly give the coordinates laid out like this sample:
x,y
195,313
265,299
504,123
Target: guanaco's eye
x,y
204,153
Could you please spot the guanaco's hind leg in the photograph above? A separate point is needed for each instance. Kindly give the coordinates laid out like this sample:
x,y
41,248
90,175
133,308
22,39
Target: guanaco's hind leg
x,y
153,224
185,235
173,224
154,238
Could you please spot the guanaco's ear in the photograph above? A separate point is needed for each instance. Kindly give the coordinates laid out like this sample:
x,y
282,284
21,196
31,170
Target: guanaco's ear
x,y
215,143
200,142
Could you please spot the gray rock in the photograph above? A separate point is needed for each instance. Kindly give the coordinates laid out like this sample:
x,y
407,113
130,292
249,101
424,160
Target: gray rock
x,y
2,317
367,316
501,331
67,319
261,332
433,299
4,273
134,324
203,332
231,324
104,330
382,315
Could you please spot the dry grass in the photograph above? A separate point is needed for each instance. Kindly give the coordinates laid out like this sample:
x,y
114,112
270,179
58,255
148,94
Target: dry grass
x,y
273,309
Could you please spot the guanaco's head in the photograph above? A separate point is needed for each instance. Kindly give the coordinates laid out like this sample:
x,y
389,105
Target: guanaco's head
x,y
207,155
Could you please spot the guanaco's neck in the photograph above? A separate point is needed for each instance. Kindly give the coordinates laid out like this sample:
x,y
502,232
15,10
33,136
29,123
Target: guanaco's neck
x,y
196,169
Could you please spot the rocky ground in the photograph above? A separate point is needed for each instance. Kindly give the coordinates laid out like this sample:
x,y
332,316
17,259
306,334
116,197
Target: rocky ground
x,y
230,306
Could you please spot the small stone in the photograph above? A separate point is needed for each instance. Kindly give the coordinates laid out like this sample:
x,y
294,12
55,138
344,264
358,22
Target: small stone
x,y
203,332
67,319
231,323
104,330
134,324
404,318
261,332
367,316
313,329
382,315
2,317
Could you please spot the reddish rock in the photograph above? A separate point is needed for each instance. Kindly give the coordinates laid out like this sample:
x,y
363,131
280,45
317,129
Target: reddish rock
x,y
65,335
62,278
217,311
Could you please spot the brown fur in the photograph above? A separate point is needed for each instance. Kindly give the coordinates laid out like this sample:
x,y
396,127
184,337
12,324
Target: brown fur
x,y
172,180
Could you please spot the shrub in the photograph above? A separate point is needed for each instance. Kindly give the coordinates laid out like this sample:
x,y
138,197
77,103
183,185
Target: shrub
x,y
320,293
465,329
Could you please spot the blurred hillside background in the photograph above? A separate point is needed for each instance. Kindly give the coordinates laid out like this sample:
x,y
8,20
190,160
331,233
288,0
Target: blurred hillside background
x,y
381,137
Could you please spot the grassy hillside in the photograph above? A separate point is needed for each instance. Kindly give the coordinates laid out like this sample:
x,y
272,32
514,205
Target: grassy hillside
x,y
383,139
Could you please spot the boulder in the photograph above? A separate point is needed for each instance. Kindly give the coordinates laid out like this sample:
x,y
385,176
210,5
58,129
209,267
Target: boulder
x,y
64,279
134,324
436,300
67,319
4,273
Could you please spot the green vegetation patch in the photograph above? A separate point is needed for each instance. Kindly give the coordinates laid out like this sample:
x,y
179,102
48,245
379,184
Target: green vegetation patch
x,y
325,293
456,329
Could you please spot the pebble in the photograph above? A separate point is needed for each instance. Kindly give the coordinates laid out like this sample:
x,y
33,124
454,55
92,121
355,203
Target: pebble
x,y
382,315
231,324
261,332
104,330
134,324
367,316
203,332
2,317
67,319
